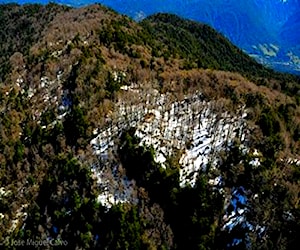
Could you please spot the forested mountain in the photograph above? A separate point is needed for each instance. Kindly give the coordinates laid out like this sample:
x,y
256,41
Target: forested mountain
x,y
157,134
21,27
266,29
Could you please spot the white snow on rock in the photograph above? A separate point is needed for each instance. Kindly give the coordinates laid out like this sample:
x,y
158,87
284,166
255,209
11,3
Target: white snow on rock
x,y
193,126
4,193
256,158
293,161
20,217
255,162
115,189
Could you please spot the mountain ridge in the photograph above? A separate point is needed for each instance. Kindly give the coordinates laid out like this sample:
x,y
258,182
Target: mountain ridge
x,y
264,22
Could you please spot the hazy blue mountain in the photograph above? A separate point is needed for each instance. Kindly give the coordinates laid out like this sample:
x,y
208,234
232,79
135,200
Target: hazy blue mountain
x,y
266,29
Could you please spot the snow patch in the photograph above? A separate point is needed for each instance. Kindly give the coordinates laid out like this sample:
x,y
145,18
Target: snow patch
x,y
192,126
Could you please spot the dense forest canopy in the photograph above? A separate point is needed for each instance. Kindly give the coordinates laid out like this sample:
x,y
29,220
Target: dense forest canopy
x,y
100,114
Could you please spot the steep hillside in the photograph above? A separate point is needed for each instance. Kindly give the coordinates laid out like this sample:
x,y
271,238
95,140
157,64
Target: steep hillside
x,y
267,30
249,24
200,44
111,129
202,47
21,27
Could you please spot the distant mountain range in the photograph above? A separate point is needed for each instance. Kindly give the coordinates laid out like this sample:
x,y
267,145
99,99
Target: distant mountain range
x,y
267,30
